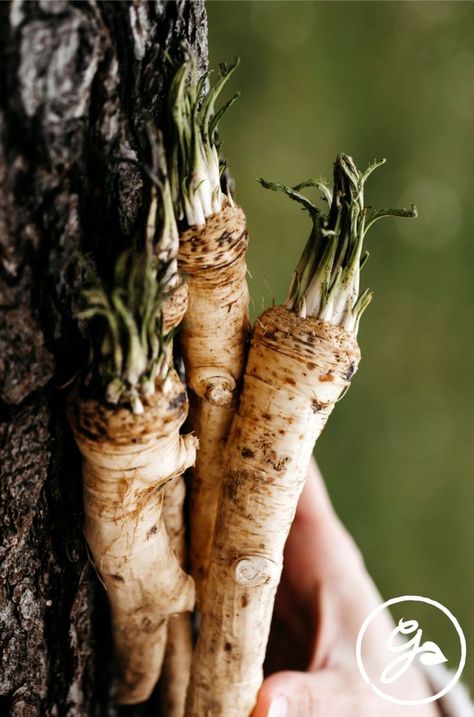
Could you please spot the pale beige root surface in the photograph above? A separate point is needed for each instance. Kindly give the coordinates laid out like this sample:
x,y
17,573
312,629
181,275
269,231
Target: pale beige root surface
x,y
127,461
213,341
212,424
176,665
296,370
177,662
215,327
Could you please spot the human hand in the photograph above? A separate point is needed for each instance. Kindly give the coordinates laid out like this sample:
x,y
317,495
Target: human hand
x,y
323,599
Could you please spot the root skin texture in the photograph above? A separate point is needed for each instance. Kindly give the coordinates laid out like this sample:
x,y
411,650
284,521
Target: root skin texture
x,y
213,339
212,424
215,327
175,307
127,461
296,371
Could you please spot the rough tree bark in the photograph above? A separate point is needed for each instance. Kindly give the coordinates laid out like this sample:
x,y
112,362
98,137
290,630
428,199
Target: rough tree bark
x,y
78,81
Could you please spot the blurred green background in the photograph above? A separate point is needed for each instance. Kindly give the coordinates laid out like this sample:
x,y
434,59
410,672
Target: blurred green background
x,y
395,80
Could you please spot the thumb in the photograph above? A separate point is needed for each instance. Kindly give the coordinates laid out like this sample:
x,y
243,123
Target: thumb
x,y
312,694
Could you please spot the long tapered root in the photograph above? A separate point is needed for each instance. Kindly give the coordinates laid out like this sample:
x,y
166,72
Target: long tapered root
x,y
127,461
296,370
213,339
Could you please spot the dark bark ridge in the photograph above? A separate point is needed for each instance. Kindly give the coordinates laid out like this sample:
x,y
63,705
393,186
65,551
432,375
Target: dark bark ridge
x,y
78,83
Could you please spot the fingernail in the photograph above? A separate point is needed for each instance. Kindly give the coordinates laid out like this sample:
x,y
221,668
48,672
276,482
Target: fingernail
x,y
278,707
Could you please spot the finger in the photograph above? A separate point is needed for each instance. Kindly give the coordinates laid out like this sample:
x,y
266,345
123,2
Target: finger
x,y
314,498
294,694
317,536
328,693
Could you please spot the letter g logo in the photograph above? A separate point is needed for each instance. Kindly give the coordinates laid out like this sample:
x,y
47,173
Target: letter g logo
x,y
404,647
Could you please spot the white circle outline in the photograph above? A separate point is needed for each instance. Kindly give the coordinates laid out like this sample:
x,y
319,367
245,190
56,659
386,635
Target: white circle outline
x,y
394,601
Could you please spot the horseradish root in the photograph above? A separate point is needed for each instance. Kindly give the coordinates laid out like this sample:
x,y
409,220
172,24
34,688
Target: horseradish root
x,y
126,421
302,358
213,341
212,257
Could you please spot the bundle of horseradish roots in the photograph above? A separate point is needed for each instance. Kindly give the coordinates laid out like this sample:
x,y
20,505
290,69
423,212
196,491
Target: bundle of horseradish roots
x,y
171,347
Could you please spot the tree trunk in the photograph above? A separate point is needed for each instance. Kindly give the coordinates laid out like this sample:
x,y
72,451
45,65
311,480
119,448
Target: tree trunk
x,y
79,81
